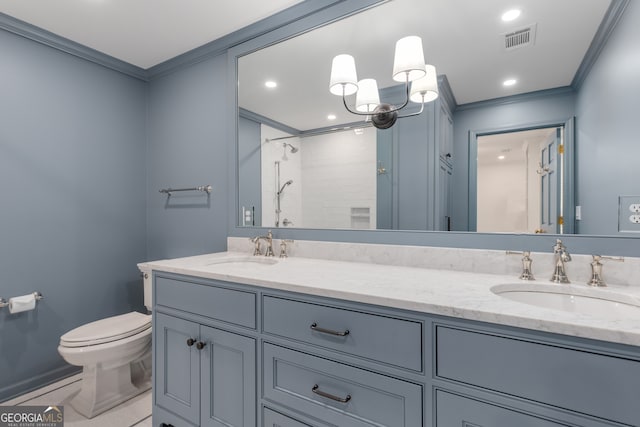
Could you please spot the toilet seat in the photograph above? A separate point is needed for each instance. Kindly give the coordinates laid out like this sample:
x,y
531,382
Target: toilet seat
x,y
107,330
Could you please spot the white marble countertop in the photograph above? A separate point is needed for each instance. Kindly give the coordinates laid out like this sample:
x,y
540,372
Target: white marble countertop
x,y
464,295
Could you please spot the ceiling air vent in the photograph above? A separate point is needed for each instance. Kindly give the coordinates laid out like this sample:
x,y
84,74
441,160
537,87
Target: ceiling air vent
x,y
520,38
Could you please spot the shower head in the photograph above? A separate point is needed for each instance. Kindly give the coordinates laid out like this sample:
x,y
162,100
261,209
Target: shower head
x,y
291,147
284,185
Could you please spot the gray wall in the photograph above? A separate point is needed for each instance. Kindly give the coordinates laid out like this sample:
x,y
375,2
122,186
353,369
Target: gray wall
x,y
72,209
607,108
490,117
187,148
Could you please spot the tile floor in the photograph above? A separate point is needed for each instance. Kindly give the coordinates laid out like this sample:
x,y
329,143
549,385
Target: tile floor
x,y
134,412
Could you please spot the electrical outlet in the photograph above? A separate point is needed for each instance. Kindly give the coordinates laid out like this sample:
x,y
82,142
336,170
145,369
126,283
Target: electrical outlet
x,y
629,214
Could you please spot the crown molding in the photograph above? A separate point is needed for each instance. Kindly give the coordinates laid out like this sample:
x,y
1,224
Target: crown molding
x,y
608,24
221,45
516,98
39,35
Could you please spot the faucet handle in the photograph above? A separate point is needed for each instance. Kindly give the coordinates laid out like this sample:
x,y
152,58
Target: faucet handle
x,y
256,249
526,274
596,269
283,247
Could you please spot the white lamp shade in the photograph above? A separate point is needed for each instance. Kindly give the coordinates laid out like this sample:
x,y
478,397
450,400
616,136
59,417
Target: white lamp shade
x,y
425,89
344,80
409,58
367,98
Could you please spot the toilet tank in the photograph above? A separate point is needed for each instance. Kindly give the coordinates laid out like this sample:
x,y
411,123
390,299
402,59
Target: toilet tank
x,y
146,281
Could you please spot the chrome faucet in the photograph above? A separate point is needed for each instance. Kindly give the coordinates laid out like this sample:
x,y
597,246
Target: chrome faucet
x,y
596,270
561,257
268,238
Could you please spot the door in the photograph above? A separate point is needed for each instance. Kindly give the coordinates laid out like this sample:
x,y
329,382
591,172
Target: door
x,y
228,367
176,369
550,216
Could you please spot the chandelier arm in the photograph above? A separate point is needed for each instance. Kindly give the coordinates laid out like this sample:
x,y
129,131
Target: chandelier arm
x,y
406,102
414,114
344,101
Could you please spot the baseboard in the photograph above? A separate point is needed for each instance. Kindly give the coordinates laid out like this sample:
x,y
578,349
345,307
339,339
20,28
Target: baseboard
x,y
33,383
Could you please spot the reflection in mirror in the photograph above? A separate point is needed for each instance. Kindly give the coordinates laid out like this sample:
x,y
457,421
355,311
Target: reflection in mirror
x,y
518,185
345,174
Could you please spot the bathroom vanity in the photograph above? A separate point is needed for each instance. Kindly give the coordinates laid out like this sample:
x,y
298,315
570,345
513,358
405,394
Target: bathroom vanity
x,y
255,341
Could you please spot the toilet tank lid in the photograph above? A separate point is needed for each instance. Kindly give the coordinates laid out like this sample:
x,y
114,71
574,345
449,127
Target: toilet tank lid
x,y
109,329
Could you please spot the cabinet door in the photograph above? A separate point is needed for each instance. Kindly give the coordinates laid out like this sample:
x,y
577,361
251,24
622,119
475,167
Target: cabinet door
x,y
453,410
176,370
228,364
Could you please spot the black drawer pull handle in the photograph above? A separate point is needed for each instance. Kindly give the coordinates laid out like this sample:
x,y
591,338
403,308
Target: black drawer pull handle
x,y
166,425
190,342
200,345
316,390
316,328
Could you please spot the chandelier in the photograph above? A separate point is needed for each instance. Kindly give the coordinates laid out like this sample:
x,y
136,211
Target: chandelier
x,y
420,80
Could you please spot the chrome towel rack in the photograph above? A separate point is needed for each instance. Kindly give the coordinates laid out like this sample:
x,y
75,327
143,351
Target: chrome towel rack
x,y
3,302
204,188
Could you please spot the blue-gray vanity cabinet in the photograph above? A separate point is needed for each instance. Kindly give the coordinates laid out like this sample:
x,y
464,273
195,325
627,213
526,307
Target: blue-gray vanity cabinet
x,y
337,393
581,380
354,332
204,373
275,419
456,411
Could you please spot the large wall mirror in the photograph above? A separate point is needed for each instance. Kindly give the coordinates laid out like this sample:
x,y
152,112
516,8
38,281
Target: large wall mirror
x,y
304,161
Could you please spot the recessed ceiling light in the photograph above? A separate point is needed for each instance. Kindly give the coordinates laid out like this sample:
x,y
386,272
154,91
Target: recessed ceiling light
x,y
510,15
331,117
270,84
509,82
500,157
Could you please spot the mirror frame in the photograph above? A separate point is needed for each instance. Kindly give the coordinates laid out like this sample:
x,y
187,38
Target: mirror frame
x,y
323,12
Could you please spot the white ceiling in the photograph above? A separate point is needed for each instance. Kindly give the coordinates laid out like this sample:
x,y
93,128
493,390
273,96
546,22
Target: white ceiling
x,y
514,147
462,38
142,32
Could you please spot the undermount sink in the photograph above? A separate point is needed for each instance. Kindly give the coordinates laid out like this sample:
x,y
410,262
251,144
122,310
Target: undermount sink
x,y
246,261
589,301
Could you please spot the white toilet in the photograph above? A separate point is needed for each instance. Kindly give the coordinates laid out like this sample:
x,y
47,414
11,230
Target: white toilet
x,y
115,354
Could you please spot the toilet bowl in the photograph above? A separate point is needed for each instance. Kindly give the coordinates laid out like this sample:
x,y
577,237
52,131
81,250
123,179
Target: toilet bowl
x,y
115,354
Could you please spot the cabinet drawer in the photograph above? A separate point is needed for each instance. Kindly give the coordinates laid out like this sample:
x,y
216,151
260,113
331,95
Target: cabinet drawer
x,y
315,386
215,302
275,419
384,339
586,382
453,410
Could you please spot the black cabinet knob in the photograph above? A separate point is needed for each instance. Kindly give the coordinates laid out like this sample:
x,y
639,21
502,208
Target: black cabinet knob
x,y
191,342
200,345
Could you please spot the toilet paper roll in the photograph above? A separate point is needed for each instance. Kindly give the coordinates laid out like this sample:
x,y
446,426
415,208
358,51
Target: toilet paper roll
x,y
22,303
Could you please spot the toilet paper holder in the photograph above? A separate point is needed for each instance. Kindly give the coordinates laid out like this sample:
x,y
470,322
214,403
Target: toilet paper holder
x,y
4,303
